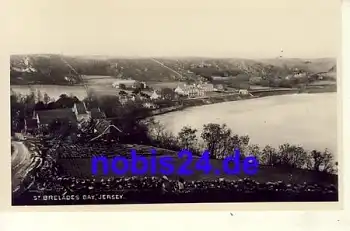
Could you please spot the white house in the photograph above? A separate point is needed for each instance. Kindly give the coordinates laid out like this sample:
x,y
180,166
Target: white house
x,y
207,87
129,83
243,92
149,105
219,87
190,90
194,91
155,95
179,90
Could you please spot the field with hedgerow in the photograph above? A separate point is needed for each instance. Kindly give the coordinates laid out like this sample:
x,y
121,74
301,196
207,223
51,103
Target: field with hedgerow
x,y
82,168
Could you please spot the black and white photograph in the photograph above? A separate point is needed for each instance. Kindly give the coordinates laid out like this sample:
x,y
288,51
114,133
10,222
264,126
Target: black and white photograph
x,y
175,103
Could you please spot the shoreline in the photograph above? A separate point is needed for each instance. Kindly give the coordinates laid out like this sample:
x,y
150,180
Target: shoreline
x,y
228,97
236,97
310,146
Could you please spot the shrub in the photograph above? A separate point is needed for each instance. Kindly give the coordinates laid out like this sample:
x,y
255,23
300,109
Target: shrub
x,y
187,138
321,161
270,156
292,156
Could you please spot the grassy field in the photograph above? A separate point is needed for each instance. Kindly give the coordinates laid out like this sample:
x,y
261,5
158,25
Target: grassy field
x,y
105,81
83,168
159,85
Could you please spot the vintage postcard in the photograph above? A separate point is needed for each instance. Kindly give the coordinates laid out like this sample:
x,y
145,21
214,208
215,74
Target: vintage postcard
x,y
171,103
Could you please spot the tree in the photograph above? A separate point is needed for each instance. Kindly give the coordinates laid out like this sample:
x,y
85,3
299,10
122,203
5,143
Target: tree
x,y
109,104
270,156
292,156
136,91
40,106
30,99
243,144
216,138
321,161
29,103
138,85
156,129
254,150
122,86
39,96
74,98
220,142
167,93
91,99
328,165
145,95
46,98
123,93
160,137
315,160
18,108
65,101
187,138
51,105
265,83
169,141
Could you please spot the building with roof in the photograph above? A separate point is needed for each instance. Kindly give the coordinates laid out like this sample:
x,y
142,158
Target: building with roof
x,y
219,87
30,125
180,90
47,117
96,113
149,105
206,87
243,92
191,91
221,78
102,126
128,83
144,96
80,111
255,80
155,95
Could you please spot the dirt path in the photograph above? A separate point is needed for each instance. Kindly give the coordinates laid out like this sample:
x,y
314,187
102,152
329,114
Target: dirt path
x,y
21,160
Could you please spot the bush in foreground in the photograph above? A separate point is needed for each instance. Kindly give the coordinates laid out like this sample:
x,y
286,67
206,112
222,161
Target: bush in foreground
x,y
150,190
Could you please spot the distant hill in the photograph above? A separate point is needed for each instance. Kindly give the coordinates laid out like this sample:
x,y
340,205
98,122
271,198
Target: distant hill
x,y
52,69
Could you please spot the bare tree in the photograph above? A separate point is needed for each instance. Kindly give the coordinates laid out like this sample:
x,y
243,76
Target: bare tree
x,y
46,98
39,96
122,86
217,139
293,156
187,138
321,161
270,156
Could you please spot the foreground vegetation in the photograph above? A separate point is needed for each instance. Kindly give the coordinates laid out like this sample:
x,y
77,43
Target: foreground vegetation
x,y
281,174
146,190
218,139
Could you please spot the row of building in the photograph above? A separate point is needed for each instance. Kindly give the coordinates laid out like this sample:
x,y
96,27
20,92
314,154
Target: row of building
x,y
195,90
43,118
189,90
76,116
129,84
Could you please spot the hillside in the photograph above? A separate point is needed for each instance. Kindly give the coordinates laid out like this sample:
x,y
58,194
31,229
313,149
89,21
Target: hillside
x,y
52,69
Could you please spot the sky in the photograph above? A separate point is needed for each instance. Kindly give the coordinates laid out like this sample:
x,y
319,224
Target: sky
x,y
220,28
